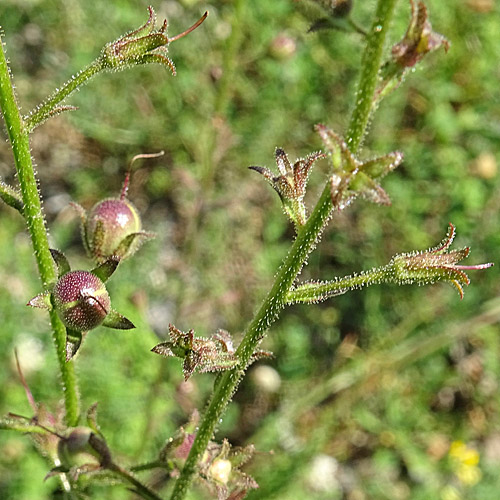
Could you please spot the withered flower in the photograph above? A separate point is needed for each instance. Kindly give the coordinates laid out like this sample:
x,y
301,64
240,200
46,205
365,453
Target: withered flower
x,y
291,183
435,264
419,38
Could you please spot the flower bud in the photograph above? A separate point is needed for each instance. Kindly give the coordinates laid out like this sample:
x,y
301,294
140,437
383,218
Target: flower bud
x,y
108,224
81,300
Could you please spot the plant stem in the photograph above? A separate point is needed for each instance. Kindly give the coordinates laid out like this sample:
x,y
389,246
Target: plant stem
x,y
142,490
38,115
309,293
33,214
370,66
303,245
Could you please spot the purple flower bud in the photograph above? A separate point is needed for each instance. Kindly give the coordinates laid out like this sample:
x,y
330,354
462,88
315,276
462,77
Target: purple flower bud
x,y
81,300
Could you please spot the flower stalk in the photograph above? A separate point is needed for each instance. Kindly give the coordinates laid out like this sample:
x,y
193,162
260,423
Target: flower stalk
x,y
142,46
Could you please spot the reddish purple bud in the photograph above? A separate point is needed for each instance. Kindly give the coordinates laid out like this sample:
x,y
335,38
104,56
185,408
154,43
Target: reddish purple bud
x,y
108,224
81,300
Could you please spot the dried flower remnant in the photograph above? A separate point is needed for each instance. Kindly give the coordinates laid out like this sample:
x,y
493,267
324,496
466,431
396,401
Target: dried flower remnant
x,y
291,183
424,268
351,175
201,354
419,39
435,264
144,45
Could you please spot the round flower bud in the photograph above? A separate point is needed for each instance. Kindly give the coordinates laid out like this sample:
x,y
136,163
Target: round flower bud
x,y
81,300
107,224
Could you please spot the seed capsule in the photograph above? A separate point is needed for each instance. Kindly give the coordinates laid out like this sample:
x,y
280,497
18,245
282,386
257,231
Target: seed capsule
x,y
108,224
81,300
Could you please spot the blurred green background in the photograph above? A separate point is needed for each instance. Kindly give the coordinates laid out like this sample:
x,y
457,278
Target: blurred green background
x,y
368,391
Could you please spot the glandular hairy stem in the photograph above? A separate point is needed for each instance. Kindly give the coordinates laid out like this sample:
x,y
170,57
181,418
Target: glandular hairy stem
x,y
307,238
33,214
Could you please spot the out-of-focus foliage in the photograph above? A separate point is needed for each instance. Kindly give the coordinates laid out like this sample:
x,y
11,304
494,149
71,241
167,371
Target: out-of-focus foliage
x,y
367,392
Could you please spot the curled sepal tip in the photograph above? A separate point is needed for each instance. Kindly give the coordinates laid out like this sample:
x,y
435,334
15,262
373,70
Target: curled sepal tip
x,y
435,264
291,183
144,45
199,354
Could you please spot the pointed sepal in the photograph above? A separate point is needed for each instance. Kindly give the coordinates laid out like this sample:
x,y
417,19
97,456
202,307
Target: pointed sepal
x,y
132,242
92,419
61,262
116,320
42,301
106,269
56,471
353,176
291,183
435,264
74,340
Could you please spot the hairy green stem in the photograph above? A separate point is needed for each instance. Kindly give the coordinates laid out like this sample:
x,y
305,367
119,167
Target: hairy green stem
x,y
38,115
307,237
10,196
33,214
370,66
317,291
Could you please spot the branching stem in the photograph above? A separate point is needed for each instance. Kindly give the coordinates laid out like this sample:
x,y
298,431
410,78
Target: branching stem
x,y
45,110
306,239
